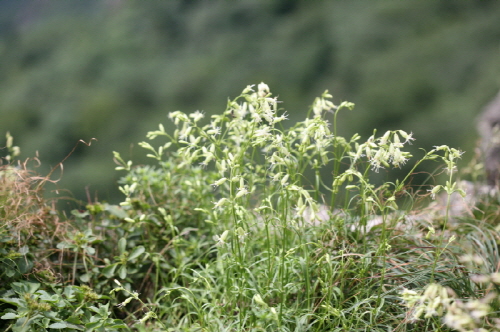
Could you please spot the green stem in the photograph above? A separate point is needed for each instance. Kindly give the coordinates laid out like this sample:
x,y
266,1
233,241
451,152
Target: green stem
x,y
283,253
336,160
74,267
441,237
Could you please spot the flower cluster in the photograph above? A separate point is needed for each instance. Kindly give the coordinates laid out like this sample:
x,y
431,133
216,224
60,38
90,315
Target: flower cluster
x,y
439,301
385,150
433,302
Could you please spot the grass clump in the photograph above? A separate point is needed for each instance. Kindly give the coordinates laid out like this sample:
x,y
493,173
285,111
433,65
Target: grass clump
x,y
235,229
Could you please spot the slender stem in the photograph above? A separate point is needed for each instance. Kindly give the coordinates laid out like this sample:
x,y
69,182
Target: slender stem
x,y
336,159
441,237
283,253
74,267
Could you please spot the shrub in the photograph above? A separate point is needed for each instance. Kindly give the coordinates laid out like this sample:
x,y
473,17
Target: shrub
x,y
33,291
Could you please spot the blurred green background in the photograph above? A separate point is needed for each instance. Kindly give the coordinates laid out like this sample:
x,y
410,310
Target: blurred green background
x,y
112,70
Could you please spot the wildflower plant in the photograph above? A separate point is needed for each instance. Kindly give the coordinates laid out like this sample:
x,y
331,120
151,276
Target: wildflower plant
x,y
441,302
245,223
271,233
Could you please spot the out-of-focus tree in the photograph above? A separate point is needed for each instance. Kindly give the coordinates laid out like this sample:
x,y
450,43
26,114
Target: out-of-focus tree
x,y
112,70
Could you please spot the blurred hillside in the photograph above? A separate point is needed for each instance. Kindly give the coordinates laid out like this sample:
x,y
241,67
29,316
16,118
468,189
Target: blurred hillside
x,y
112,70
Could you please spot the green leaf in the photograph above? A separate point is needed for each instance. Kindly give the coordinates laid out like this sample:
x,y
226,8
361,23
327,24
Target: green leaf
x,y
103,310
84,277
94,309
24,250
109,271
74,327
25,287
64,245
136,252
46,297
72,320
92,325
122,272
25,264
116,211
23,324
65,325
122,245
9,315
90,250
59,325
117,324
79,214
15,301
10,273
44,323
69,292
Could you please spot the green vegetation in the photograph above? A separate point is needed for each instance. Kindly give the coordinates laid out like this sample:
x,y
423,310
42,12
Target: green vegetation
x,y
233,228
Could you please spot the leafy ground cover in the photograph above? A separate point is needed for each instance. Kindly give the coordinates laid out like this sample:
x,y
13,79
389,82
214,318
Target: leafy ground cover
x,y
232,228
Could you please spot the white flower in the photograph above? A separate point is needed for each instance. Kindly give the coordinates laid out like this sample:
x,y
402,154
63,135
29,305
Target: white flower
x,y
398,158
241,111
450,169
408,137
258,299
379,160
220,203
248,89
317,107
178,116
242,191
263,90
280,118
214,131
221,240
197,116
435,190
385,137
284,180
219,182
256,117
262,132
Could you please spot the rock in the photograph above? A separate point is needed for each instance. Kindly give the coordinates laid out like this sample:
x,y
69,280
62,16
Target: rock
x,y
488,127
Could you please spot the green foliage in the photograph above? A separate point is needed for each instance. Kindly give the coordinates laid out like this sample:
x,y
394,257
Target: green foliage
x,y
224,232
66,308
33,236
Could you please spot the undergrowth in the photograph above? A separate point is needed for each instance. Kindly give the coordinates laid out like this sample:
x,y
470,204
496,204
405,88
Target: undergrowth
x,y
225,232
